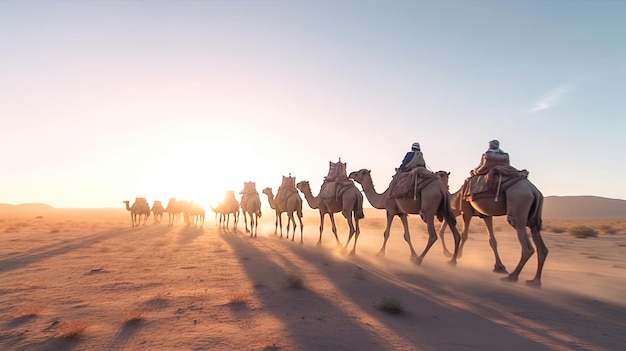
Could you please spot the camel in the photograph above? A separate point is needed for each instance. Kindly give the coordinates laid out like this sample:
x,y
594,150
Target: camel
x,y
173,210
522,203
349,203
293,203
157,210
251,205
139,208
225,208
193,214
431,201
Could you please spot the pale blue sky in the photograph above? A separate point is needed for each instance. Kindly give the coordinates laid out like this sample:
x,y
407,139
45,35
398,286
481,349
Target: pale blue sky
x,y
107,101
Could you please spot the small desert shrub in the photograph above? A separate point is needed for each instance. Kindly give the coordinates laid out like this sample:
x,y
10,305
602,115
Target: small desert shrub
x,y
553,228
135,315
609,229
238,298
295,280
74,329
583,231
390,305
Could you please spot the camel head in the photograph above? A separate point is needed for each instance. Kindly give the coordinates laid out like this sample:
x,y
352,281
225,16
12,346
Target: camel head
x,y
360,175
268,192
304,186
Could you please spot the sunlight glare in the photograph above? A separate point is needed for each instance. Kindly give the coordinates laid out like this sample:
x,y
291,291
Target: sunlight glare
x,y
197,170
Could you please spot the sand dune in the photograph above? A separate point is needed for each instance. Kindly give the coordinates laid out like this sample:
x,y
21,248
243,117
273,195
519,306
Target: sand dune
x,y
86,280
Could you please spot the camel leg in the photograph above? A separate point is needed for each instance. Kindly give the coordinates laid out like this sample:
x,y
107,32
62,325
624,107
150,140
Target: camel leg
x,y
442,230
499,266
352,232
357,232
319,241
381,252
407,237
291,221
333,226
519,222
432,236
542,253
245,221
457,240
301,229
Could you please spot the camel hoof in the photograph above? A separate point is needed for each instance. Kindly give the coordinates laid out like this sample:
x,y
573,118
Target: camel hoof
x,y
452,262
344,250
447,254
500,270
319,243
509,279
382,254
534,283
418,260
352,253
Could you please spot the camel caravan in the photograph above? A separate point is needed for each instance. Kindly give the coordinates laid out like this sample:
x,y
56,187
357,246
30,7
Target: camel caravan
x,y
191,212
494,188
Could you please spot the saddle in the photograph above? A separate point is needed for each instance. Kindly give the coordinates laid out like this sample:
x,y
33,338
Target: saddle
x,y
409,184
494,183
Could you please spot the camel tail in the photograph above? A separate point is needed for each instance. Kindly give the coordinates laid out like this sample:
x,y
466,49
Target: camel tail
x,y
358,210
536,210
445,208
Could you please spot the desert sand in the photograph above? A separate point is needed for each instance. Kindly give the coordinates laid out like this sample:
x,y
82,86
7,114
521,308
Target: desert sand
x,y
87,280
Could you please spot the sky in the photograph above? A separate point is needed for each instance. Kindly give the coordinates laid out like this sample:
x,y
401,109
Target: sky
x,y
105,101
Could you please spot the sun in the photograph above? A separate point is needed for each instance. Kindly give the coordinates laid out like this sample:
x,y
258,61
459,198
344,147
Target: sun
x,y
201,170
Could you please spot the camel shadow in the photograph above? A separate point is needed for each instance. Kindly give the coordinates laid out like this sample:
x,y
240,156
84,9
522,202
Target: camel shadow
x,y
37,254
270,278
485,306
188,234
126,333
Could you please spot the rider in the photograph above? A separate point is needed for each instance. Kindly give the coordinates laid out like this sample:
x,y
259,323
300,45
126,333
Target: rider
x,y
412,159
494,156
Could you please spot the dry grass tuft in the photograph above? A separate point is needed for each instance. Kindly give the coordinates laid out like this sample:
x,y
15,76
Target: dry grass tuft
x,y
272,347
73,329
135,316
238,298
583,232
295,280
390,305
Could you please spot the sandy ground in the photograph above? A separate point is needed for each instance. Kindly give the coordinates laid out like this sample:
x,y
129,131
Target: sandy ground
x,y
87,280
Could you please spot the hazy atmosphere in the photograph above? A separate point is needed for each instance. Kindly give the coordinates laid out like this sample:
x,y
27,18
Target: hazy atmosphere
x,y
106,101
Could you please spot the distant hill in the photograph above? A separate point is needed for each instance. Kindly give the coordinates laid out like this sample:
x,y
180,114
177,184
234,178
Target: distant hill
x,y
571,207
25,208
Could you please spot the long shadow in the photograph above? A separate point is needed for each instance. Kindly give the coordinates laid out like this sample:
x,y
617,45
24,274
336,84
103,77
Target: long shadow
x,y
11,262
126,333
270,278
483,308
189,234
